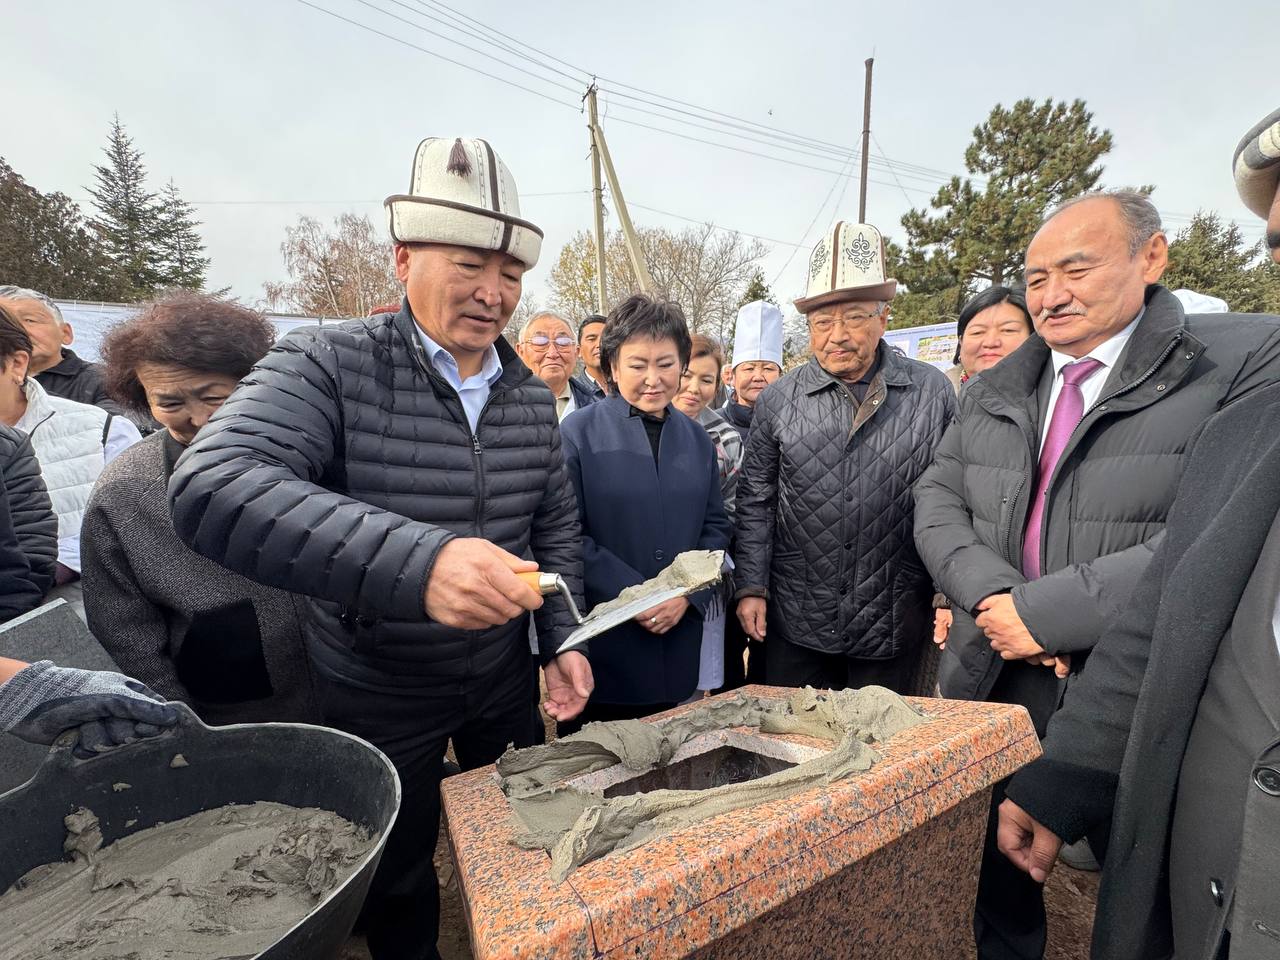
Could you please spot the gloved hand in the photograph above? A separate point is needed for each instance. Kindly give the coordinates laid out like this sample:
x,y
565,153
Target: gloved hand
x,y
42,701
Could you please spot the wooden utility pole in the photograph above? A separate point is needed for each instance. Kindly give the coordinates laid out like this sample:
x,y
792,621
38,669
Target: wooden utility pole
x,y
597,194
634,253
866,144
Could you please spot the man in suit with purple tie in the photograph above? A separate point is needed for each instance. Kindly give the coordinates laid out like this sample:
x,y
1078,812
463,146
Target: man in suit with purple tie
x,y
1049,494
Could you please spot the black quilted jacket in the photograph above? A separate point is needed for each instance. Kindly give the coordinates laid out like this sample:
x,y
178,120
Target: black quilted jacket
x,y
825,506
34,522
341,466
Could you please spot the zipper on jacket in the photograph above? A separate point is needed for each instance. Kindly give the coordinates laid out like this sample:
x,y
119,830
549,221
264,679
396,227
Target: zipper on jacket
x,y
1013,512
1008,535
476,452
1173,345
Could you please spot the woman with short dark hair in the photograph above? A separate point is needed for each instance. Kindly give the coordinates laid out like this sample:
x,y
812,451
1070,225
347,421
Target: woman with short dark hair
x,y
991,325
648,488
186,627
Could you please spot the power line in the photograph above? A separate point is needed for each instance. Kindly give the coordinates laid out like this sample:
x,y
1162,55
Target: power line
x,y
718,226
876,141
440,56
464,46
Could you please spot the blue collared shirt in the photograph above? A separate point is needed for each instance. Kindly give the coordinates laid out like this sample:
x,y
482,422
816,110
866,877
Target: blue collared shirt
x,y
473,391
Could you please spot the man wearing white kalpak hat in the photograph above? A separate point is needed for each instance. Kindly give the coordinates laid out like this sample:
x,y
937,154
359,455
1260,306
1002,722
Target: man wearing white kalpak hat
x,y
394,470
756,361
828,575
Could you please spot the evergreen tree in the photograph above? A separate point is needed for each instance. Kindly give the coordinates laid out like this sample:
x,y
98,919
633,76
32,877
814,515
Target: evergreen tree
x,y
1033,157
757,289
46,245
1211,257
182,261
128,217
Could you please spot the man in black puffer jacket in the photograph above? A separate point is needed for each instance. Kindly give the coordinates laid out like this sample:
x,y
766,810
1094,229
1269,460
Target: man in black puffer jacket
x,y
395,469
827,566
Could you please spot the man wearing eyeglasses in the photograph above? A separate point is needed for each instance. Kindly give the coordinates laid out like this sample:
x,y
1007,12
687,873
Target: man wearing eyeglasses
x,y
1048,497
828,576
548,348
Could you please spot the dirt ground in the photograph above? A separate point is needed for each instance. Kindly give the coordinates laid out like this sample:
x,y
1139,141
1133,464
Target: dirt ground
x,y
1070,897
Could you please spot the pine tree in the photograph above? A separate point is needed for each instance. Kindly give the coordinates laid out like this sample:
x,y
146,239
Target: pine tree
x,y
128,217
182,261
1211,257
46,245
1033,156
757,289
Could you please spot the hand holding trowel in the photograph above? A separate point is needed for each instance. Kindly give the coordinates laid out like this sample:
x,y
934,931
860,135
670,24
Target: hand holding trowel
x,y
690,572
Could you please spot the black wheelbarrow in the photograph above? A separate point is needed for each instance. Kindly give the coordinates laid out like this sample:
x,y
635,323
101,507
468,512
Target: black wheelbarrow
x,y
289,763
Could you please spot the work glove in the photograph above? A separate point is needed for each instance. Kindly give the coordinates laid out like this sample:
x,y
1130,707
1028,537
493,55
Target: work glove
x,y
42,701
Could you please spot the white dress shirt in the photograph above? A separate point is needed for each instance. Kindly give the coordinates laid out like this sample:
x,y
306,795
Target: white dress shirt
x,y
473,391
1106,353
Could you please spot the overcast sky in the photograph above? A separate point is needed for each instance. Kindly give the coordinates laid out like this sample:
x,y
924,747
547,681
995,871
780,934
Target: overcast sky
x,y
262,110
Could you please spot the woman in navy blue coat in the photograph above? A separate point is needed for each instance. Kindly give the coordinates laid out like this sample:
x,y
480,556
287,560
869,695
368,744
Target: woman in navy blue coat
x,y
648,488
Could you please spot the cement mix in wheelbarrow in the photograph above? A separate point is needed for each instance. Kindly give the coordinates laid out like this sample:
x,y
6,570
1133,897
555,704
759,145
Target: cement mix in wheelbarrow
x,y
577,824
227,882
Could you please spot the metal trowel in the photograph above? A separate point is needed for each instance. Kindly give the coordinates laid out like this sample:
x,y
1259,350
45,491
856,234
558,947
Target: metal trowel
x,y
596,623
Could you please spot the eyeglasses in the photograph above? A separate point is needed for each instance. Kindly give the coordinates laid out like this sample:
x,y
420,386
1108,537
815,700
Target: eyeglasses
x,y
849,321
542,340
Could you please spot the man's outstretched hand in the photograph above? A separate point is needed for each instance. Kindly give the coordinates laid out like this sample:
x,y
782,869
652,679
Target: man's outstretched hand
x,y
1030,846
473,585
569,685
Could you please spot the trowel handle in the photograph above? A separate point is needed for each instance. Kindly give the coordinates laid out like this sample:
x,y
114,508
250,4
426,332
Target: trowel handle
x,y
549,583
545,583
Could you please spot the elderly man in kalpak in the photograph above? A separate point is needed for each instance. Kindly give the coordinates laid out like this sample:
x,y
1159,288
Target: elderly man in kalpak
x,y
828,575
395,470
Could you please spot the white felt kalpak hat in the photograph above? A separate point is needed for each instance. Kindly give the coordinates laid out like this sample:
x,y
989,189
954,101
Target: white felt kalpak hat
x,y
757,333
847,264
1257,165
461,193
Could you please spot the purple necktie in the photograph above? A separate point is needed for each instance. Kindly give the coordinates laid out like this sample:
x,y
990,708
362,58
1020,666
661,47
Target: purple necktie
x,y
1067,413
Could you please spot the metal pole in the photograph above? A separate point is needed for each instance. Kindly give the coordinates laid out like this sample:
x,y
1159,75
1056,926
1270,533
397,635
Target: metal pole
x,y
634,253
866,144
597,191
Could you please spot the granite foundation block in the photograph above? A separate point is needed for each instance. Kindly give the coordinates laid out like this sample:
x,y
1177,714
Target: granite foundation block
x,y
882,864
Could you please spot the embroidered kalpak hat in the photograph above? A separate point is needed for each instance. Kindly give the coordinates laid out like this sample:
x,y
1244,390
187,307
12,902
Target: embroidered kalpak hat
x,y
1257,165
461,193
847,264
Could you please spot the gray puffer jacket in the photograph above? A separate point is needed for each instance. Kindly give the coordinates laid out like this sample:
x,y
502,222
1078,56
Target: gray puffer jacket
x,y
825,507
344,463
1108,502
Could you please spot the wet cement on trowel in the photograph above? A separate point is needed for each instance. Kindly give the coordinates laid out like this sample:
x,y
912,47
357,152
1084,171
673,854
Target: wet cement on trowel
x,y
577,825
228,882
690,571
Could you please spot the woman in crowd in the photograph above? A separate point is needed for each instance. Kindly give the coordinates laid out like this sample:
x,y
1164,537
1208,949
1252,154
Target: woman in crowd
x,y
698,389
992,325
648,488
72,442
181,624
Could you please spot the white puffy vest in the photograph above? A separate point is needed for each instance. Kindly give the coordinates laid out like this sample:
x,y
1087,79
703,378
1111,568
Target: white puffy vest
x,y
68,441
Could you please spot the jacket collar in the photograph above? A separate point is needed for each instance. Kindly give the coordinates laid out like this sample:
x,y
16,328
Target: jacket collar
x,y
514,372
70,364
615,404
893,371
1016,378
